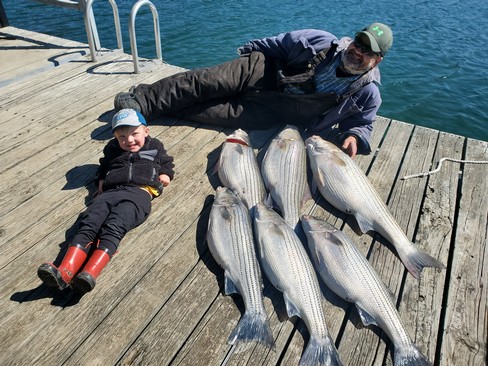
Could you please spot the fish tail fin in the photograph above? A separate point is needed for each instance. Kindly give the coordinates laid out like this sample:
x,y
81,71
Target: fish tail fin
x,y
410,356
252,327
320,351
416,260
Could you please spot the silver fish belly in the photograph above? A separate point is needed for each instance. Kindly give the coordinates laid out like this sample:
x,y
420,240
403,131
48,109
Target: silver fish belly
x,y
346,187
347,273
286,264
238,169
284,172
230,240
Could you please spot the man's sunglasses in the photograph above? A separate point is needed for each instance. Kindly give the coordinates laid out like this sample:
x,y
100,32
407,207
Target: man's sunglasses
x,y
364,48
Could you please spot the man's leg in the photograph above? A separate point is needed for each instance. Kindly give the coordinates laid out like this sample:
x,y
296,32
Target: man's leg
x,y
186,89
250,110
259,109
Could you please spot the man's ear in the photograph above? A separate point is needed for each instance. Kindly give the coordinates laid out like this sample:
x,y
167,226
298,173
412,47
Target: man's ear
x,y
378,60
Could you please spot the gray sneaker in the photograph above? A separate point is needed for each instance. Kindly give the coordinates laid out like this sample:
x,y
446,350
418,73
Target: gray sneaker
x,y
125,100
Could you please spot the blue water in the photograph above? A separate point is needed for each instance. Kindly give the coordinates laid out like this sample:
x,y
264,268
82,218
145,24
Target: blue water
x,y
434,76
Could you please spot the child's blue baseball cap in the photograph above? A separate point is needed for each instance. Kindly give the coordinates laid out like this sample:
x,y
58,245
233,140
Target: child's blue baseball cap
x,y
128,117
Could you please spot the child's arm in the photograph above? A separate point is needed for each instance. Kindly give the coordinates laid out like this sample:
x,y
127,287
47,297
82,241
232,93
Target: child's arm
x,y
166,172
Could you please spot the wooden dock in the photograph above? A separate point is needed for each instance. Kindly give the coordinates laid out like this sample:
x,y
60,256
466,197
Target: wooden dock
x,y
159,301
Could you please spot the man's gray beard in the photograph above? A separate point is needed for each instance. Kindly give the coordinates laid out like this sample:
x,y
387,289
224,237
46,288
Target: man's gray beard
x,y
350,65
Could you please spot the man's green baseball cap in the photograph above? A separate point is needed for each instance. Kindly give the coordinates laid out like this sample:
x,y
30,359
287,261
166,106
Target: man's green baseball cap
x,y
380,37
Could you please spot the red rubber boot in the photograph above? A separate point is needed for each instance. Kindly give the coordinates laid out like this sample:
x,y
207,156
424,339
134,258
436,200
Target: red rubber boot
x,y
85,281
60,277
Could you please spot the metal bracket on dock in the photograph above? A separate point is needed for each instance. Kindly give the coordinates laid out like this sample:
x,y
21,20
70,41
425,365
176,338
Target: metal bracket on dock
x,y
85,6
132,32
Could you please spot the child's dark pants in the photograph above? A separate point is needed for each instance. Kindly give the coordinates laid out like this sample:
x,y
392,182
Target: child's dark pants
x,y
111,215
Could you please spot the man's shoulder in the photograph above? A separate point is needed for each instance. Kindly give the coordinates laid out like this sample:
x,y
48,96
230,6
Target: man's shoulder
x,y
312,34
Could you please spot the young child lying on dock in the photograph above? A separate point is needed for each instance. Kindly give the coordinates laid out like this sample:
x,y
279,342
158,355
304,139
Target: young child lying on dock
x,y
133,170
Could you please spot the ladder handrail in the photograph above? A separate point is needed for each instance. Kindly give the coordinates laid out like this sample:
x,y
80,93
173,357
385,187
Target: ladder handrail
x,y
85,6
132,31
88,15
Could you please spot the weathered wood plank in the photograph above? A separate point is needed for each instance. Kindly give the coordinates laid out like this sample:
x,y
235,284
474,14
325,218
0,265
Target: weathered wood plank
x,y
47,109
335,308
465,332
358,346
422,300
166,213
55,146
165,299
159,301
48,194
219,327
25,53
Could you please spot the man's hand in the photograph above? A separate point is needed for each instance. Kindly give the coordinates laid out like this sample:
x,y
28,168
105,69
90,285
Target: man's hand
x,y
100,188
350,146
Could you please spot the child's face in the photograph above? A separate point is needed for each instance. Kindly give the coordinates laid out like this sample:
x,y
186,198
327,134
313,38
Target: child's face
x,y
131,138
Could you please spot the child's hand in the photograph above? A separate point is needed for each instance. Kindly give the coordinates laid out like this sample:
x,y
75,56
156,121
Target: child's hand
x,y
164,179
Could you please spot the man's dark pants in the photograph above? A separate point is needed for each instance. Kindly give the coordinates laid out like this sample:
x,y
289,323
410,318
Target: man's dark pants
x,y
242,93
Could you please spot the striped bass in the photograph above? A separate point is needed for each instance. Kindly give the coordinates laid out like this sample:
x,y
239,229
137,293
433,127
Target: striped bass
x,y
230,240
347,188
347,273
284,172
238,169
288,267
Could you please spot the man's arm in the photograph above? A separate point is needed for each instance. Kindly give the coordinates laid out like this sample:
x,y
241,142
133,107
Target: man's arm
x,y
293,47
354,116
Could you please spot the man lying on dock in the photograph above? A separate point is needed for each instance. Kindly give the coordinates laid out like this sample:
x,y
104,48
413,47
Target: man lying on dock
x,y
307,78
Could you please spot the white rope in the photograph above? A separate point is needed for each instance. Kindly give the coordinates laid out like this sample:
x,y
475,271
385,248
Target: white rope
x,y
439,167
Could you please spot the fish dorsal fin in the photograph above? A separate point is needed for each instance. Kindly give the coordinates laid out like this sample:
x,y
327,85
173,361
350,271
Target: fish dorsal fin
x,y
366,318
291,309
364,225
229,286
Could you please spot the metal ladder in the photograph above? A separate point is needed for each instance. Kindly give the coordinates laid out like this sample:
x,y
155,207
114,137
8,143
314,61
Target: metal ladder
x,y
132,32
85,6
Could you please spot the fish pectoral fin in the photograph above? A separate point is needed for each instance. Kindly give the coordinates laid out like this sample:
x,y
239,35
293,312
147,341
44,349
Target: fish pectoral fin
x,y
364,225
321,176
269,201
333,239
307,195
291,309
314,187
365,317
229,285
217,166
391,295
